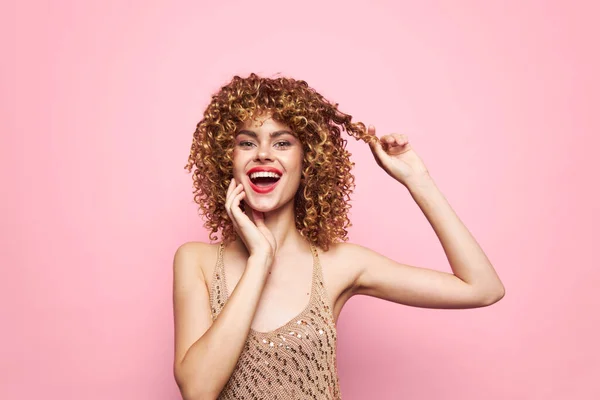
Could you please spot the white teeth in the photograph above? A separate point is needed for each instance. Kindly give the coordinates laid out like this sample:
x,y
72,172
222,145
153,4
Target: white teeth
x,y
263,175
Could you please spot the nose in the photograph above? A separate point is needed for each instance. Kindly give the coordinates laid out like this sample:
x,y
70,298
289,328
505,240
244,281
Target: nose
x,y
264,153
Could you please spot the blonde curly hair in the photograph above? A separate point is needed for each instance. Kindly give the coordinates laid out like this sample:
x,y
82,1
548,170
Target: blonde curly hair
x,y
322,200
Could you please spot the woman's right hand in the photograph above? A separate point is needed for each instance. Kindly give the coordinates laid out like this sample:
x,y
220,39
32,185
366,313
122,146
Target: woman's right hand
x,y
258,239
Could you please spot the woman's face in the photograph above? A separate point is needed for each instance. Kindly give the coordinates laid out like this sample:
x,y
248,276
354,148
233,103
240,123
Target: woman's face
x,y
267,160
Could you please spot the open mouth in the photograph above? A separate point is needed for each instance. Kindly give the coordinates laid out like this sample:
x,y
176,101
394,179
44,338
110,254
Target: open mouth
x,y
263,181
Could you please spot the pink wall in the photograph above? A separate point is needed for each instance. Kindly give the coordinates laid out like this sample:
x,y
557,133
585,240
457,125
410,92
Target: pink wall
x,y
99,102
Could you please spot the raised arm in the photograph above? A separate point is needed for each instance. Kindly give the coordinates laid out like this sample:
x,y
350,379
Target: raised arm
x,y
474,282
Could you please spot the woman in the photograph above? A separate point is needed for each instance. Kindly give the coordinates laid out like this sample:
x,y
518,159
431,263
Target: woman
x,y
255,314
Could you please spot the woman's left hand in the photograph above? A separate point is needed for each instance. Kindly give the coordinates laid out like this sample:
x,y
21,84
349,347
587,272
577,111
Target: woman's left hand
x,y
395,155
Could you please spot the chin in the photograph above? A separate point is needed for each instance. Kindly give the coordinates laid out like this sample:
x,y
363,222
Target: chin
x,y
267,205
263,206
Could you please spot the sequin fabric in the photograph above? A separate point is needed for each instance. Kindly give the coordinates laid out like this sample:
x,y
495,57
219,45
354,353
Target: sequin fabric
x,y
294,361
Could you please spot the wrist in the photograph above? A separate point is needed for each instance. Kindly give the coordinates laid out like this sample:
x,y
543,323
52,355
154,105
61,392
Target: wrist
x,y
260,262
421,182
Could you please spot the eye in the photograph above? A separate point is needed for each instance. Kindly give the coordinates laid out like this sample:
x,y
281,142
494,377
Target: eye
x,y
245,143
283,143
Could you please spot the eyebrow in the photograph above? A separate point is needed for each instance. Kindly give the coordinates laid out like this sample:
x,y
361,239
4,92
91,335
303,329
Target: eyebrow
x,y
272,134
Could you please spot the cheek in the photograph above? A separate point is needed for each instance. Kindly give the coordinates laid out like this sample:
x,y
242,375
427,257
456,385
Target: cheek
x,y
300,164
238,158
238,168
298,159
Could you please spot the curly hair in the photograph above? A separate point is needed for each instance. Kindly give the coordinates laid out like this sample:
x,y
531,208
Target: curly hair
x,y
322,200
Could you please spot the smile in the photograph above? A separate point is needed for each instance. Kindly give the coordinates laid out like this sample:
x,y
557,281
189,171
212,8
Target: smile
x,y
262,189
264,179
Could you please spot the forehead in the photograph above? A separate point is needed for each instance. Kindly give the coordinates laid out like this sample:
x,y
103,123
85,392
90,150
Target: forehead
x,y
263,122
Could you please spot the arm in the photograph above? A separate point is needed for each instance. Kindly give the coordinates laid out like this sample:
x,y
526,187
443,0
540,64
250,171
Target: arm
x,y
207,352
473,284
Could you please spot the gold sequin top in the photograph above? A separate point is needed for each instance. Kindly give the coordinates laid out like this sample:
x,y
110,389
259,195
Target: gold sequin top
x,y
294,361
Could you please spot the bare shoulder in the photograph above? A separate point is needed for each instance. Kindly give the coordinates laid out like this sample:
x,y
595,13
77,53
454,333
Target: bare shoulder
x,y
195,259
341,270
344,254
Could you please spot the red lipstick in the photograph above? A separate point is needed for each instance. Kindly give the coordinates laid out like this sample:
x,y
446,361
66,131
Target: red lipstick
x,y
264,169
263,189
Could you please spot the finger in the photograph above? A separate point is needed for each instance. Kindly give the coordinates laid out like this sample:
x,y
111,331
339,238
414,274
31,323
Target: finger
x,y
236,211
400,145
390,144
401,139
388,140
235,192
229,190
231,197
371,131
228,197
377,148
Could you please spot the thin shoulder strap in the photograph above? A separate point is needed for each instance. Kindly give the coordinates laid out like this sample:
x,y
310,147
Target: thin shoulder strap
x,y
220,253
317,261
319,281
317,270
218,293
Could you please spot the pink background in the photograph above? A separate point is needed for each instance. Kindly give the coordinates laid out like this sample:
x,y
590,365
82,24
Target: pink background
x,y
99,102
